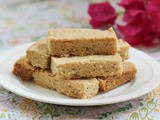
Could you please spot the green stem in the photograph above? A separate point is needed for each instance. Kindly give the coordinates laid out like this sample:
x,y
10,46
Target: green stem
x,y
5,99
119,13
149,113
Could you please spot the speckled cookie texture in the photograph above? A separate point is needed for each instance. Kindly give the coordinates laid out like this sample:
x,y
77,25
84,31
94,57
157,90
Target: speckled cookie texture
x,y
38,54
81,42
86,66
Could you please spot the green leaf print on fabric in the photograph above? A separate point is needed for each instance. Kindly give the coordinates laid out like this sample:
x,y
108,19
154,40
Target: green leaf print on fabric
x,y
14,98
144,112
110,114
151,104
71,111
47,110
134,116
9,116
141,104
2,115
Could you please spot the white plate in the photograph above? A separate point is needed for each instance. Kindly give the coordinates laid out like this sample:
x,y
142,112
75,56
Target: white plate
x,y
147,78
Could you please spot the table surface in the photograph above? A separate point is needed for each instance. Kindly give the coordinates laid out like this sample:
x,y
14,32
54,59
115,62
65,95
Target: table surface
x,y
25,21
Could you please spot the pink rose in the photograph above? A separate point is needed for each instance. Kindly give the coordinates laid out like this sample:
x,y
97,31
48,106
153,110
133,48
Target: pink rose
x,y
142,25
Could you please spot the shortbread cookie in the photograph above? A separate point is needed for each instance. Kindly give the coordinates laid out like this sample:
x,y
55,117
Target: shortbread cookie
x,y
82,89
123,49
81,42
38,54
109,83
86,66
23,69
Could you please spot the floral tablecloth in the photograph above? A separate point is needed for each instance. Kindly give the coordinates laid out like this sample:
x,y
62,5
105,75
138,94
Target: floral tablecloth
x,y
26,21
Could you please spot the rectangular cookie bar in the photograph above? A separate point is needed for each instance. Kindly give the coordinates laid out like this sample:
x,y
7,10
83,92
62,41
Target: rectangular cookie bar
x,y
109,83
123,49
81,42
38,54
23,69
86,66
82,89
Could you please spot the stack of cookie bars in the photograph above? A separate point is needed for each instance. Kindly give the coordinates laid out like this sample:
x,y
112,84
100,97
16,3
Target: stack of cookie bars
x,y
77,62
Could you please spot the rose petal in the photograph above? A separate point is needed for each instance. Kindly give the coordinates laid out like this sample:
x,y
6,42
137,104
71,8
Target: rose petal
x,y
153,6
97,24
130,30
101,17
135,35
101,14
100,7
133,15
127,4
